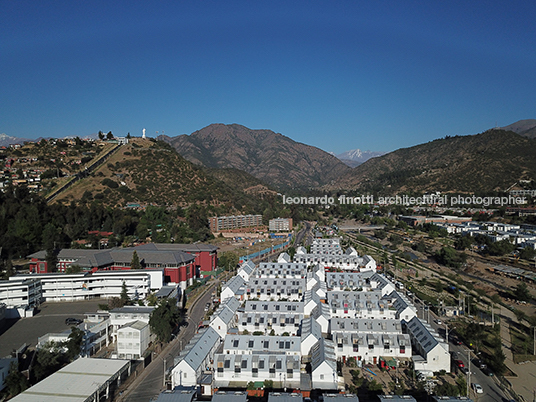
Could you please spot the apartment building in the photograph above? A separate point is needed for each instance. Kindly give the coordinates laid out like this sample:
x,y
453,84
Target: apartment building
x,y
221,223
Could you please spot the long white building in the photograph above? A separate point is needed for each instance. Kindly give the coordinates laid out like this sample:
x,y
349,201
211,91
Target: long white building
x,y
100,284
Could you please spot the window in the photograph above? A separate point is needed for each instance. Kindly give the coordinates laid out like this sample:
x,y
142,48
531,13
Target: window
x,y
250,343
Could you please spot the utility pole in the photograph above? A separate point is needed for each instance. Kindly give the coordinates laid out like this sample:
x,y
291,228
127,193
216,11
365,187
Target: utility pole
x,y
468,371
534,343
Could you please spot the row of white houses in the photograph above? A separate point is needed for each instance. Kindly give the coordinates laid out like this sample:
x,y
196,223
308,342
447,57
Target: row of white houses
x,y
261,331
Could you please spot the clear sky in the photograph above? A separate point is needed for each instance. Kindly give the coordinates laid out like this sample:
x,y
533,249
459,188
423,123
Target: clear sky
x,y
376,75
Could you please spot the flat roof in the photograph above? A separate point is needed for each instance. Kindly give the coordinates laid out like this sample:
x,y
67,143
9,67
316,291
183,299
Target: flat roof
x,y
222,396
177,395
284,397
397,398
75,382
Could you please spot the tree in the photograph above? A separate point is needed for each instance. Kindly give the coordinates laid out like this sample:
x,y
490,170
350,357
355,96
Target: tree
x,y
101,135
228,260
521,292
74,343
450,257
73,269
291,251
49,237
152,299
125,298
527,253
135,263
15,382
164,319
48,360
7,269
500,248
463,242
109,136
128,136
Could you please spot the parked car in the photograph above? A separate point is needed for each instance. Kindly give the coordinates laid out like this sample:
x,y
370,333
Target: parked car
x,y
438,321
72,321
459,363
478,389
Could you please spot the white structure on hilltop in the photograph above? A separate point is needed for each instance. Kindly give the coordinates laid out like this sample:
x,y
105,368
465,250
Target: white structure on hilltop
x,y
143,134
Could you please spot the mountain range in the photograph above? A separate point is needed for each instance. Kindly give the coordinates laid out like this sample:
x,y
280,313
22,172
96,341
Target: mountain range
x,y
356,157
261,161
490,161
269,156
526,128
6,140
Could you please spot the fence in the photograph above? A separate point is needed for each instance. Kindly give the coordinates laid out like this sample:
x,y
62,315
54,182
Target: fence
x,y
268,250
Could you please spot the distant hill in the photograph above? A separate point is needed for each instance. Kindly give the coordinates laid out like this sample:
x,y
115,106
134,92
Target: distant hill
x,y
489,161
6,140
271,157
152,172
356,157
526,128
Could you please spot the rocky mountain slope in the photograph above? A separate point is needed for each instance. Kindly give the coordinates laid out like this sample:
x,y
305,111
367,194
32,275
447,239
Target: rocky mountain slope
x,y
490,161
271,157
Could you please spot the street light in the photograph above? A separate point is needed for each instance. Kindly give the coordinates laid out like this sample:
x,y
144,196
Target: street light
x,y
165,368
468,370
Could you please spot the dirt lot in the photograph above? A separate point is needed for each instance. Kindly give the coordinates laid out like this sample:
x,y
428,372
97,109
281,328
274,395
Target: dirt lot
x,y
50,318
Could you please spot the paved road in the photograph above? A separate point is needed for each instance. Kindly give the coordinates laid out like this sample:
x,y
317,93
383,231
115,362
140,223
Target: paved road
x,y
151,381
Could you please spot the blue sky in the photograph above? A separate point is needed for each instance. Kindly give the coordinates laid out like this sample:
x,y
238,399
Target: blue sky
x,y
339,75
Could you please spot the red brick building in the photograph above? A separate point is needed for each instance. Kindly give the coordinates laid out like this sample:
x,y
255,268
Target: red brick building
x,y
181,262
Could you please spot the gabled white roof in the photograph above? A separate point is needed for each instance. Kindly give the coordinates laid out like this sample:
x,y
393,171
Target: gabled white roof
x,y
201,347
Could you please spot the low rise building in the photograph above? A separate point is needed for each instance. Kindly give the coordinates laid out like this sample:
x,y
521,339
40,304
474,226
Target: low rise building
x,y
133,340
430,351
195,358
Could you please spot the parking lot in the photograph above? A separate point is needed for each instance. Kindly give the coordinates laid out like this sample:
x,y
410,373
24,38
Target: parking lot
x,y
50,318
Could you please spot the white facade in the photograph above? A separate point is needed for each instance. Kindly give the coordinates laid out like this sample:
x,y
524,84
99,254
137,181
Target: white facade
x,y
120,317
283,370
431,352
324,365
101,284
224,317
195,358
369,339
234,287
133,340
20,292
275,289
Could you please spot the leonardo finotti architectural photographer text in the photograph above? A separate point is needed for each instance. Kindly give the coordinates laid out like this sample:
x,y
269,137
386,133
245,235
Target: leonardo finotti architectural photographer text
x,y
406,200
